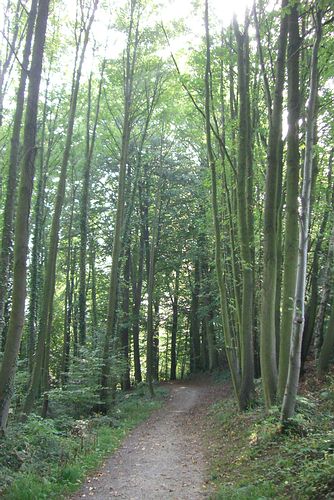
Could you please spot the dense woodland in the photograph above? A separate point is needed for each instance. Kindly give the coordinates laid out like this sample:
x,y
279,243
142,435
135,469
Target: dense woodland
x,y
166,200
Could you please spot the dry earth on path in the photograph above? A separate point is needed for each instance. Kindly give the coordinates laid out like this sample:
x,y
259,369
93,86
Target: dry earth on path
x,y
165,457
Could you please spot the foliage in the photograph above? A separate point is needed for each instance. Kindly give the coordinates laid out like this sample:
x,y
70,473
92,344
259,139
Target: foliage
x,y
257,460
45,458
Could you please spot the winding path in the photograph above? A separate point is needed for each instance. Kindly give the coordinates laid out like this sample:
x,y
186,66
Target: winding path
x,y
163,458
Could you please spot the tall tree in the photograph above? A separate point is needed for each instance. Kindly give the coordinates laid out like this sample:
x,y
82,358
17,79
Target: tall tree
x,y
90,144
292,189
130,64
289,400
8,215
270,229
245,214
8,367
50,270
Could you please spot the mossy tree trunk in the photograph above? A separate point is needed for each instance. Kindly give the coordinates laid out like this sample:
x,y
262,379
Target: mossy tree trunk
x,y
50,268
8,367
245,226
8,214
292,189
271,216
231,351
291,388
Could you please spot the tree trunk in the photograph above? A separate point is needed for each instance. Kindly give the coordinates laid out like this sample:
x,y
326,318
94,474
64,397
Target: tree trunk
x,y
270,258
118,225
244,223
125,324
8,367
137,297
231,353
195,340
84,204
8,214
150,298
68,306
175,303
50,269
292,189
291,388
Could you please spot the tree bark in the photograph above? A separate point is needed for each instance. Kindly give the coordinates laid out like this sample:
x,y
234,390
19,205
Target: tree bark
x,y
231,353
291,388
8,367
119,221
244,223
8,215
84,203
175,304
292,189
271,215
50,269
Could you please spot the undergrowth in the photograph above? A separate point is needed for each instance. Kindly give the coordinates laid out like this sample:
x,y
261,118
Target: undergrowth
x,y
253,459
49,458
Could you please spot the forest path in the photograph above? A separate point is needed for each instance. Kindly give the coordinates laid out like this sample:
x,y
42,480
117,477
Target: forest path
x,y
165,457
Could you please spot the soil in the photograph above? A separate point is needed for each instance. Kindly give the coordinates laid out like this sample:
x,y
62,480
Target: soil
x,y
166,456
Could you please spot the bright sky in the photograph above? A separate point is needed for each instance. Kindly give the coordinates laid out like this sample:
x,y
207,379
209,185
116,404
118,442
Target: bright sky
x,y
221,13
222,10
169,11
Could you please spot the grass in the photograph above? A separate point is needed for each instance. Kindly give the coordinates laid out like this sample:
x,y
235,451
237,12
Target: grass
x,y
253,459
44,459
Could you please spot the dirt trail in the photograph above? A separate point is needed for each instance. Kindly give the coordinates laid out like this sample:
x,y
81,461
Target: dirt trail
x,y
163,458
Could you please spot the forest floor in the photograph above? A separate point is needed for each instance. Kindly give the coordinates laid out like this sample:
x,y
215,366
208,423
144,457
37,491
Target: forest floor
x,y
167,455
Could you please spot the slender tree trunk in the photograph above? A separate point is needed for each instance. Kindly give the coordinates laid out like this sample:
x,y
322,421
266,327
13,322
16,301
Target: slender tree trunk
x,y
150,296
68,306
93,293
311,311
119,221
8,215
175,304
231,353
292,189
124,330
195,340
8,367
271,215
156,340
84,204
245,226
326,347
291,388
137,297
50,270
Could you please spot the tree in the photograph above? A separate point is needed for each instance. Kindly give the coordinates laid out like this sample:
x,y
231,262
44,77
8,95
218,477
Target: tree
x,y
291,388
7,228
8,367
42,354
131,57
270,228
292,189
